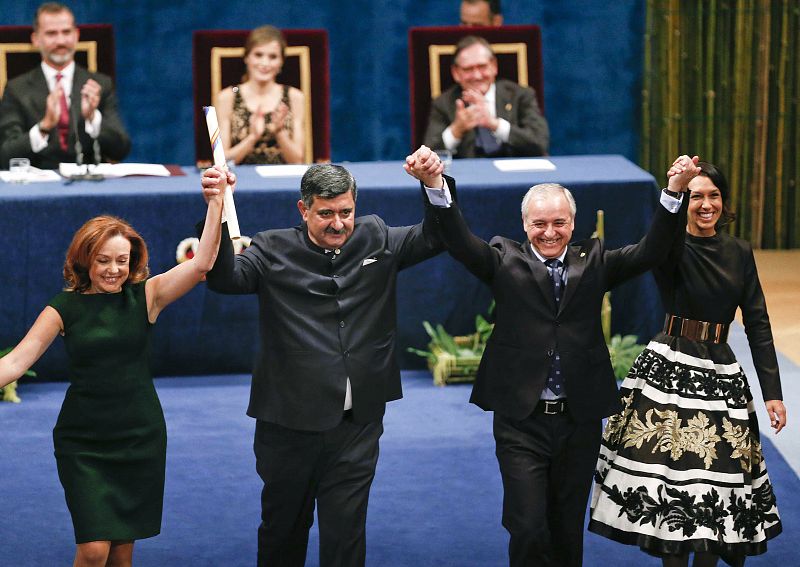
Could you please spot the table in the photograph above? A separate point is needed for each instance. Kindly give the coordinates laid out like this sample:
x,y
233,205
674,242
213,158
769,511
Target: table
x,y
207,333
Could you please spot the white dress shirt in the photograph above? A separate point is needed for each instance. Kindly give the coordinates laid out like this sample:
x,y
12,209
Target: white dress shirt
x,y
501,134
38,139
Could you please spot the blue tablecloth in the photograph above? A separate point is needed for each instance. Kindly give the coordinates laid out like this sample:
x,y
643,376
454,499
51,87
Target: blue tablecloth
x,y
206,333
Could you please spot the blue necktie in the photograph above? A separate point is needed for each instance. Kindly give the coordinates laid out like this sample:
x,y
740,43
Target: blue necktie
x,y
486,142
555,382
555,268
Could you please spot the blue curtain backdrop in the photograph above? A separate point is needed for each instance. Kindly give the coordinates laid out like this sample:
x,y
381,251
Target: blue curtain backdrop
x,y
592,67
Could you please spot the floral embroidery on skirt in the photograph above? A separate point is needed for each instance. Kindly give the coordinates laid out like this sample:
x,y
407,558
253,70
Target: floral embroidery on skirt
x,y
680,467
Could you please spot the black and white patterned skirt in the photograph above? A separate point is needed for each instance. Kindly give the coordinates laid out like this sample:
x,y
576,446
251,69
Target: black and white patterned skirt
x,y
680,468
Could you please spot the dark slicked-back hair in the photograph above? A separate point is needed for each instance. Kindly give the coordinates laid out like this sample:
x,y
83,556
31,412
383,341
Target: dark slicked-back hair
x,y
718,179
50,8
326,180
86,245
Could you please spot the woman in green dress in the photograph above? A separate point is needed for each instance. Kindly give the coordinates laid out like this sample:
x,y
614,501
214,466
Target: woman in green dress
x,y
110,437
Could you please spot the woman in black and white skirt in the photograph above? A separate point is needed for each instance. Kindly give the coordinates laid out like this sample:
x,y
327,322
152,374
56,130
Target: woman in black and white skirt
x,y
680,468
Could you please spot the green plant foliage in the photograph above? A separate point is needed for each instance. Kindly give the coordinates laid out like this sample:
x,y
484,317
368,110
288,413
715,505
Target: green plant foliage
x,y
469,348
623,351
483,330
442,341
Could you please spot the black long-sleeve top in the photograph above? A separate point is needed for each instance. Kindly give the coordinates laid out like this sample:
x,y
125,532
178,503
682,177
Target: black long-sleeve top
x,y
707,279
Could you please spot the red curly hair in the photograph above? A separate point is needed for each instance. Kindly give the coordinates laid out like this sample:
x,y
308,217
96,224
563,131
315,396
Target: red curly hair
x,y
87,243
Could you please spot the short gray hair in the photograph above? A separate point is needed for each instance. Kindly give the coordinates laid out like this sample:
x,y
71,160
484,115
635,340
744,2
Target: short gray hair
x,y
326,181
544,190
469,41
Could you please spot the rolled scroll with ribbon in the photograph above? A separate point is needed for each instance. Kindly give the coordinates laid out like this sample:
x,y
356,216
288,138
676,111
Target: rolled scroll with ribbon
x,y
229,209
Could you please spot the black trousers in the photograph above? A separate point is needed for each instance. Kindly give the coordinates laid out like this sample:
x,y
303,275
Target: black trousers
x,y
333,469
547,463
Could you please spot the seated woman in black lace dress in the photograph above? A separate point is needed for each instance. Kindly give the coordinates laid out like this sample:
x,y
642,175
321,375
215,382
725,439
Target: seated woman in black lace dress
x,y
261,120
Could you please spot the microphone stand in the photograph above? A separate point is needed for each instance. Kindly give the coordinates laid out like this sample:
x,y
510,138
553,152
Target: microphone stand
x,y
86,175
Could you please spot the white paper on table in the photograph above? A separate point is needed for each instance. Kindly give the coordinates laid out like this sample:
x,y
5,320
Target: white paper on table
x,y
33,175
288,170
115,169
524,164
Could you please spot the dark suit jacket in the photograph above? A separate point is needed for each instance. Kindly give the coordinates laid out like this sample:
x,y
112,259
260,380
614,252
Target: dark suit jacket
x,y
529,135
323,320
514,367
23,105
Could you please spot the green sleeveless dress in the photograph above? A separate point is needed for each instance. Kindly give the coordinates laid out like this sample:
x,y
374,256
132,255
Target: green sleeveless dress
x,y
110,438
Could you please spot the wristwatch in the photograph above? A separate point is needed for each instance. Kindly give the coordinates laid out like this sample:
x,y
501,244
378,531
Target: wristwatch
x,y
672,194
43,131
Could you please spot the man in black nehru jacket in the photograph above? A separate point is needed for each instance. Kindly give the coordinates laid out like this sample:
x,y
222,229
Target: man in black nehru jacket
x,y
326,365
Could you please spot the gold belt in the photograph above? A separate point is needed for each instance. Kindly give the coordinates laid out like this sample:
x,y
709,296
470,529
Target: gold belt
x,y
701,331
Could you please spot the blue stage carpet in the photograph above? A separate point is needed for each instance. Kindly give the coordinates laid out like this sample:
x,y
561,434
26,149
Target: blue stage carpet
x,y
436,499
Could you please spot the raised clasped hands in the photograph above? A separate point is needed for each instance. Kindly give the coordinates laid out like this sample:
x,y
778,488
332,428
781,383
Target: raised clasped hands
x,y
215,180
425,165
90,98
681,172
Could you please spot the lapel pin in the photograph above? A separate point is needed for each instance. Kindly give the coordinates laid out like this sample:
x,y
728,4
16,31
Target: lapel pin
x,y
508,107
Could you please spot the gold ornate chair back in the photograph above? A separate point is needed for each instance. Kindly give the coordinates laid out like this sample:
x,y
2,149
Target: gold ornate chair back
x,y
218,63
95,51
519,59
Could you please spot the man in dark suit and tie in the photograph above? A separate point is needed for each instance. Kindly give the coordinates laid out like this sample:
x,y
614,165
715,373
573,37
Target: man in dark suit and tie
x,y
481,116
546,372
43,110
326,365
